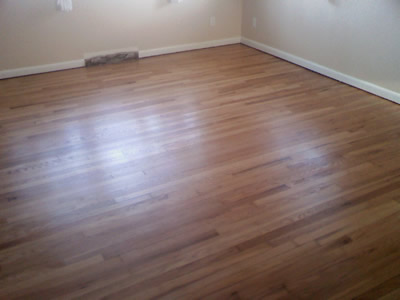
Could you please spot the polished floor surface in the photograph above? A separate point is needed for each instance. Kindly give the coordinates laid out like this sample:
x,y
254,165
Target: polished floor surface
x,y
222,173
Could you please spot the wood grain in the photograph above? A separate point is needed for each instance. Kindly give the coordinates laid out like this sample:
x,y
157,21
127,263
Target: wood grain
x,y
222,173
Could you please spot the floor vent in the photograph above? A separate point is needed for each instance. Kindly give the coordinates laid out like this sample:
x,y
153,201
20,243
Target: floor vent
x,y
111,58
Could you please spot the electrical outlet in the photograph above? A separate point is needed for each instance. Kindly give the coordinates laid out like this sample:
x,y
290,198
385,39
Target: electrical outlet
x,y
213,21
254,22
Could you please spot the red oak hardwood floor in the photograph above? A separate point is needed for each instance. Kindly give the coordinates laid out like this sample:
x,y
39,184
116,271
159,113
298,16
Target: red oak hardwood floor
x,y
222,173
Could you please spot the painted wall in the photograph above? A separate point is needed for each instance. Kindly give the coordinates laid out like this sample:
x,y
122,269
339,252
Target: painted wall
x,y
33,33
360,38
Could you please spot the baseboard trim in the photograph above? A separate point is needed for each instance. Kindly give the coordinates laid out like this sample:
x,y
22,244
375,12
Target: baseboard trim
x,y
350,80
189,47
142,54
42,69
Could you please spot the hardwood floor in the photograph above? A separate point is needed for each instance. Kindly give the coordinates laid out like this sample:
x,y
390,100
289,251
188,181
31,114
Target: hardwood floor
x,y
222,173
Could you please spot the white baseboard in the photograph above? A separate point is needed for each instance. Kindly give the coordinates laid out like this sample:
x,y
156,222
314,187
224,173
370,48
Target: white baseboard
x,y
188,47
42,69
358,83
142,53
350,80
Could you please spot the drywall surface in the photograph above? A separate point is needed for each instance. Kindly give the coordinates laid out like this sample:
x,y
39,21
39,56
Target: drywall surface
x,y
33,32
360,38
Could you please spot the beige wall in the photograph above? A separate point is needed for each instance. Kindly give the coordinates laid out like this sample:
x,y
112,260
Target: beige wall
x,y
360,38
33,33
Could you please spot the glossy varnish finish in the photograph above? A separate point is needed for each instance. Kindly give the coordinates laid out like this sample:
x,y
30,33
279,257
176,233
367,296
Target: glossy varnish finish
x,y
222,173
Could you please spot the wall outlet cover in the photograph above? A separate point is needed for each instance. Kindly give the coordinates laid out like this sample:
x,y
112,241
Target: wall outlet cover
x,y
213,21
